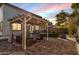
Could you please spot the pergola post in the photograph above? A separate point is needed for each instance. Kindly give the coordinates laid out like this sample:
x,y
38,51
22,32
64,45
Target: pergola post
x,y
24,34
24,37
47,30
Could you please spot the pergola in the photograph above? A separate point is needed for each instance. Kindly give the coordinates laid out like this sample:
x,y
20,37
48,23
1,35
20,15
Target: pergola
x,y
28,19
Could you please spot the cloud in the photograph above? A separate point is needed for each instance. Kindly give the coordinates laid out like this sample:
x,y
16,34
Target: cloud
x,y
48,7
49,14
53,20
46,10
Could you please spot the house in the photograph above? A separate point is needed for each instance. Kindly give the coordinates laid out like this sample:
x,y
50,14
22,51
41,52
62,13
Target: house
x,y
16,21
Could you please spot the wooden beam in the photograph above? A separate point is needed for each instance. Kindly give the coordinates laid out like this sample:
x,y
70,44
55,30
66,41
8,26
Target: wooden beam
x,y
41,19
17,19
25,16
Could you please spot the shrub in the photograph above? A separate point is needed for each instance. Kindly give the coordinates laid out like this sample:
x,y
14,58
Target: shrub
x,y
53,34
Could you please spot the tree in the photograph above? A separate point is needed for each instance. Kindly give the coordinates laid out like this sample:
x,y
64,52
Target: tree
x,y
75,7
73,19
61,18
72,26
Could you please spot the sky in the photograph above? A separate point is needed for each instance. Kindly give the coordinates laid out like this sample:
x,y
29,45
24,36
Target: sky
x,y
46,10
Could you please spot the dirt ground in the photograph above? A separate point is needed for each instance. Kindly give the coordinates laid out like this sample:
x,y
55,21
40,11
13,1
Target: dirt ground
x,y
53,47
44,47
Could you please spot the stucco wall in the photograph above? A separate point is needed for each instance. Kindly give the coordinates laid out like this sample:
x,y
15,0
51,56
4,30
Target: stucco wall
x,y
8,12
1,16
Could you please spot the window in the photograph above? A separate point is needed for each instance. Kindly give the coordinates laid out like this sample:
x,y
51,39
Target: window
x,y
16,26
37,28
31,29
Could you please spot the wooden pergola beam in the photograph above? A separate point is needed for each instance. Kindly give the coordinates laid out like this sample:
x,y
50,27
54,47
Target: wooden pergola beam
x,y
24,15
19,18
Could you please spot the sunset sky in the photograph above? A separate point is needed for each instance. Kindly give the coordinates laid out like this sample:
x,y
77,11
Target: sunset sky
x,y
46,10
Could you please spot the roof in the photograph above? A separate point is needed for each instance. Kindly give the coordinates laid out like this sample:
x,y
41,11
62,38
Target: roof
x,y
24,12
21,9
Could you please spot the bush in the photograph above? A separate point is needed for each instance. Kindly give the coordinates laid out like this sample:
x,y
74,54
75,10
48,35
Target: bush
x,y
51,34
